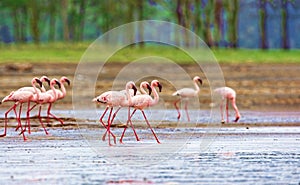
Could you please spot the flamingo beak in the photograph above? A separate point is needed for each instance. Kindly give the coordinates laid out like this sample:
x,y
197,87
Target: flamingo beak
x,y
159,87
134,89
68,81
200,81
39,82
149,88
47,80
57,82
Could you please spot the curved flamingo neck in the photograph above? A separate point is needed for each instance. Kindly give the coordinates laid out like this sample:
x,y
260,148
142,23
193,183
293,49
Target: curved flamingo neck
x,y
196,86
128,93
35,89
54,91
155,95
143,91
63,89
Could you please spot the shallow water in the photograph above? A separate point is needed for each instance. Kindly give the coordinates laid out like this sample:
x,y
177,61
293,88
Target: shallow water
x,y
222,155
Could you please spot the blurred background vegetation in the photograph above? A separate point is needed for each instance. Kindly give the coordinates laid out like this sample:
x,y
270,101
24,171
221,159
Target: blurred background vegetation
x,y
72,24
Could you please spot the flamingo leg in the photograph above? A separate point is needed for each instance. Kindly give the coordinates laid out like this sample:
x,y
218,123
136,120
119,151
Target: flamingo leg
x,y
5,122
28,116
222,112
18,117
129,121
19,123
177,108
227,114
113,117
150,126
52,115
108,128
40,119
237,114
186,110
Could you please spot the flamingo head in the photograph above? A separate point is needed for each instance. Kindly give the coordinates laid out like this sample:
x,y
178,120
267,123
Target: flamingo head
x,y
65,79
35,79
156,84
131,85
45,79
55,81
197,78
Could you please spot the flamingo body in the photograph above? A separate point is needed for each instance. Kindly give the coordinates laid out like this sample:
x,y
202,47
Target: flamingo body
x,y
228,94
187,93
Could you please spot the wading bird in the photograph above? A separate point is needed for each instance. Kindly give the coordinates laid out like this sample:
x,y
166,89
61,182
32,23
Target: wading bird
x,y
140,102
114,99
60,94
185,94
228,94
47,97
20,97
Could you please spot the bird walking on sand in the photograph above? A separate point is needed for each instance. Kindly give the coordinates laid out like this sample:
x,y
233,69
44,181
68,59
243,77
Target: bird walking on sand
x,y
185,94
131,92
140,102
114,99
60,94
228,94
20,97
47,97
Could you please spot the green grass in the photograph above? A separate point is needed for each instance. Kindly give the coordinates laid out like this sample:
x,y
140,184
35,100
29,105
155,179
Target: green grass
x,y
72,52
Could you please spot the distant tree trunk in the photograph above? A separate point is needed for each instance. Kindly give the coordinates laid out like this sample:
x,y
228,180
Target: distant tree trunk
x,y
218,22
64,15
130,18
198,19
284,25
34,21
82,19
187,20
263,24
16,25
232,22
52,21
208,14
141,17
24,22
180,19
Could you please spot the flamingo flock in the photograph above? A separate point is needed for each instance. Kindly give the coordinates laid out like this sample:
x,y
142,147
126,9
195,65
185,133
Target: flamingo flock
x,y
130,97
139,100
37,95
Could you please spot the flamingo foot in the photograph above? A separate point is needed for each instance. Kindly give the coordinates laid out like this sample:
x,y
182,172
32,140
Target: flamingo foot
x,y
223,121
236,119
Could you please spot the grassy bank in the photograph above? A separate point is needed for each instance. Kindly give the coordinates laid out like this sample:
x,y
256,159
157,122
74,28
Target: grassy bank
x,y
72,52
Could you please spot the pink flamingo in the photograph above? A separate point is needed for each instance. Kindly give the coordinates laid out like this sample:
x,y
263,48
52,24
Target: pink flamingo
x,y
140,102
20,97
131,92
185,94
60,94
114,99
230,95
47,97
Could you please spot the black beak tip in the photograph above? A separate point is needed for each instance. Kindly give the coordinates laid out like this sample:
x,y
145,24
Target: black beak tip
x,y
68,81
159,87
57,82
134,89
